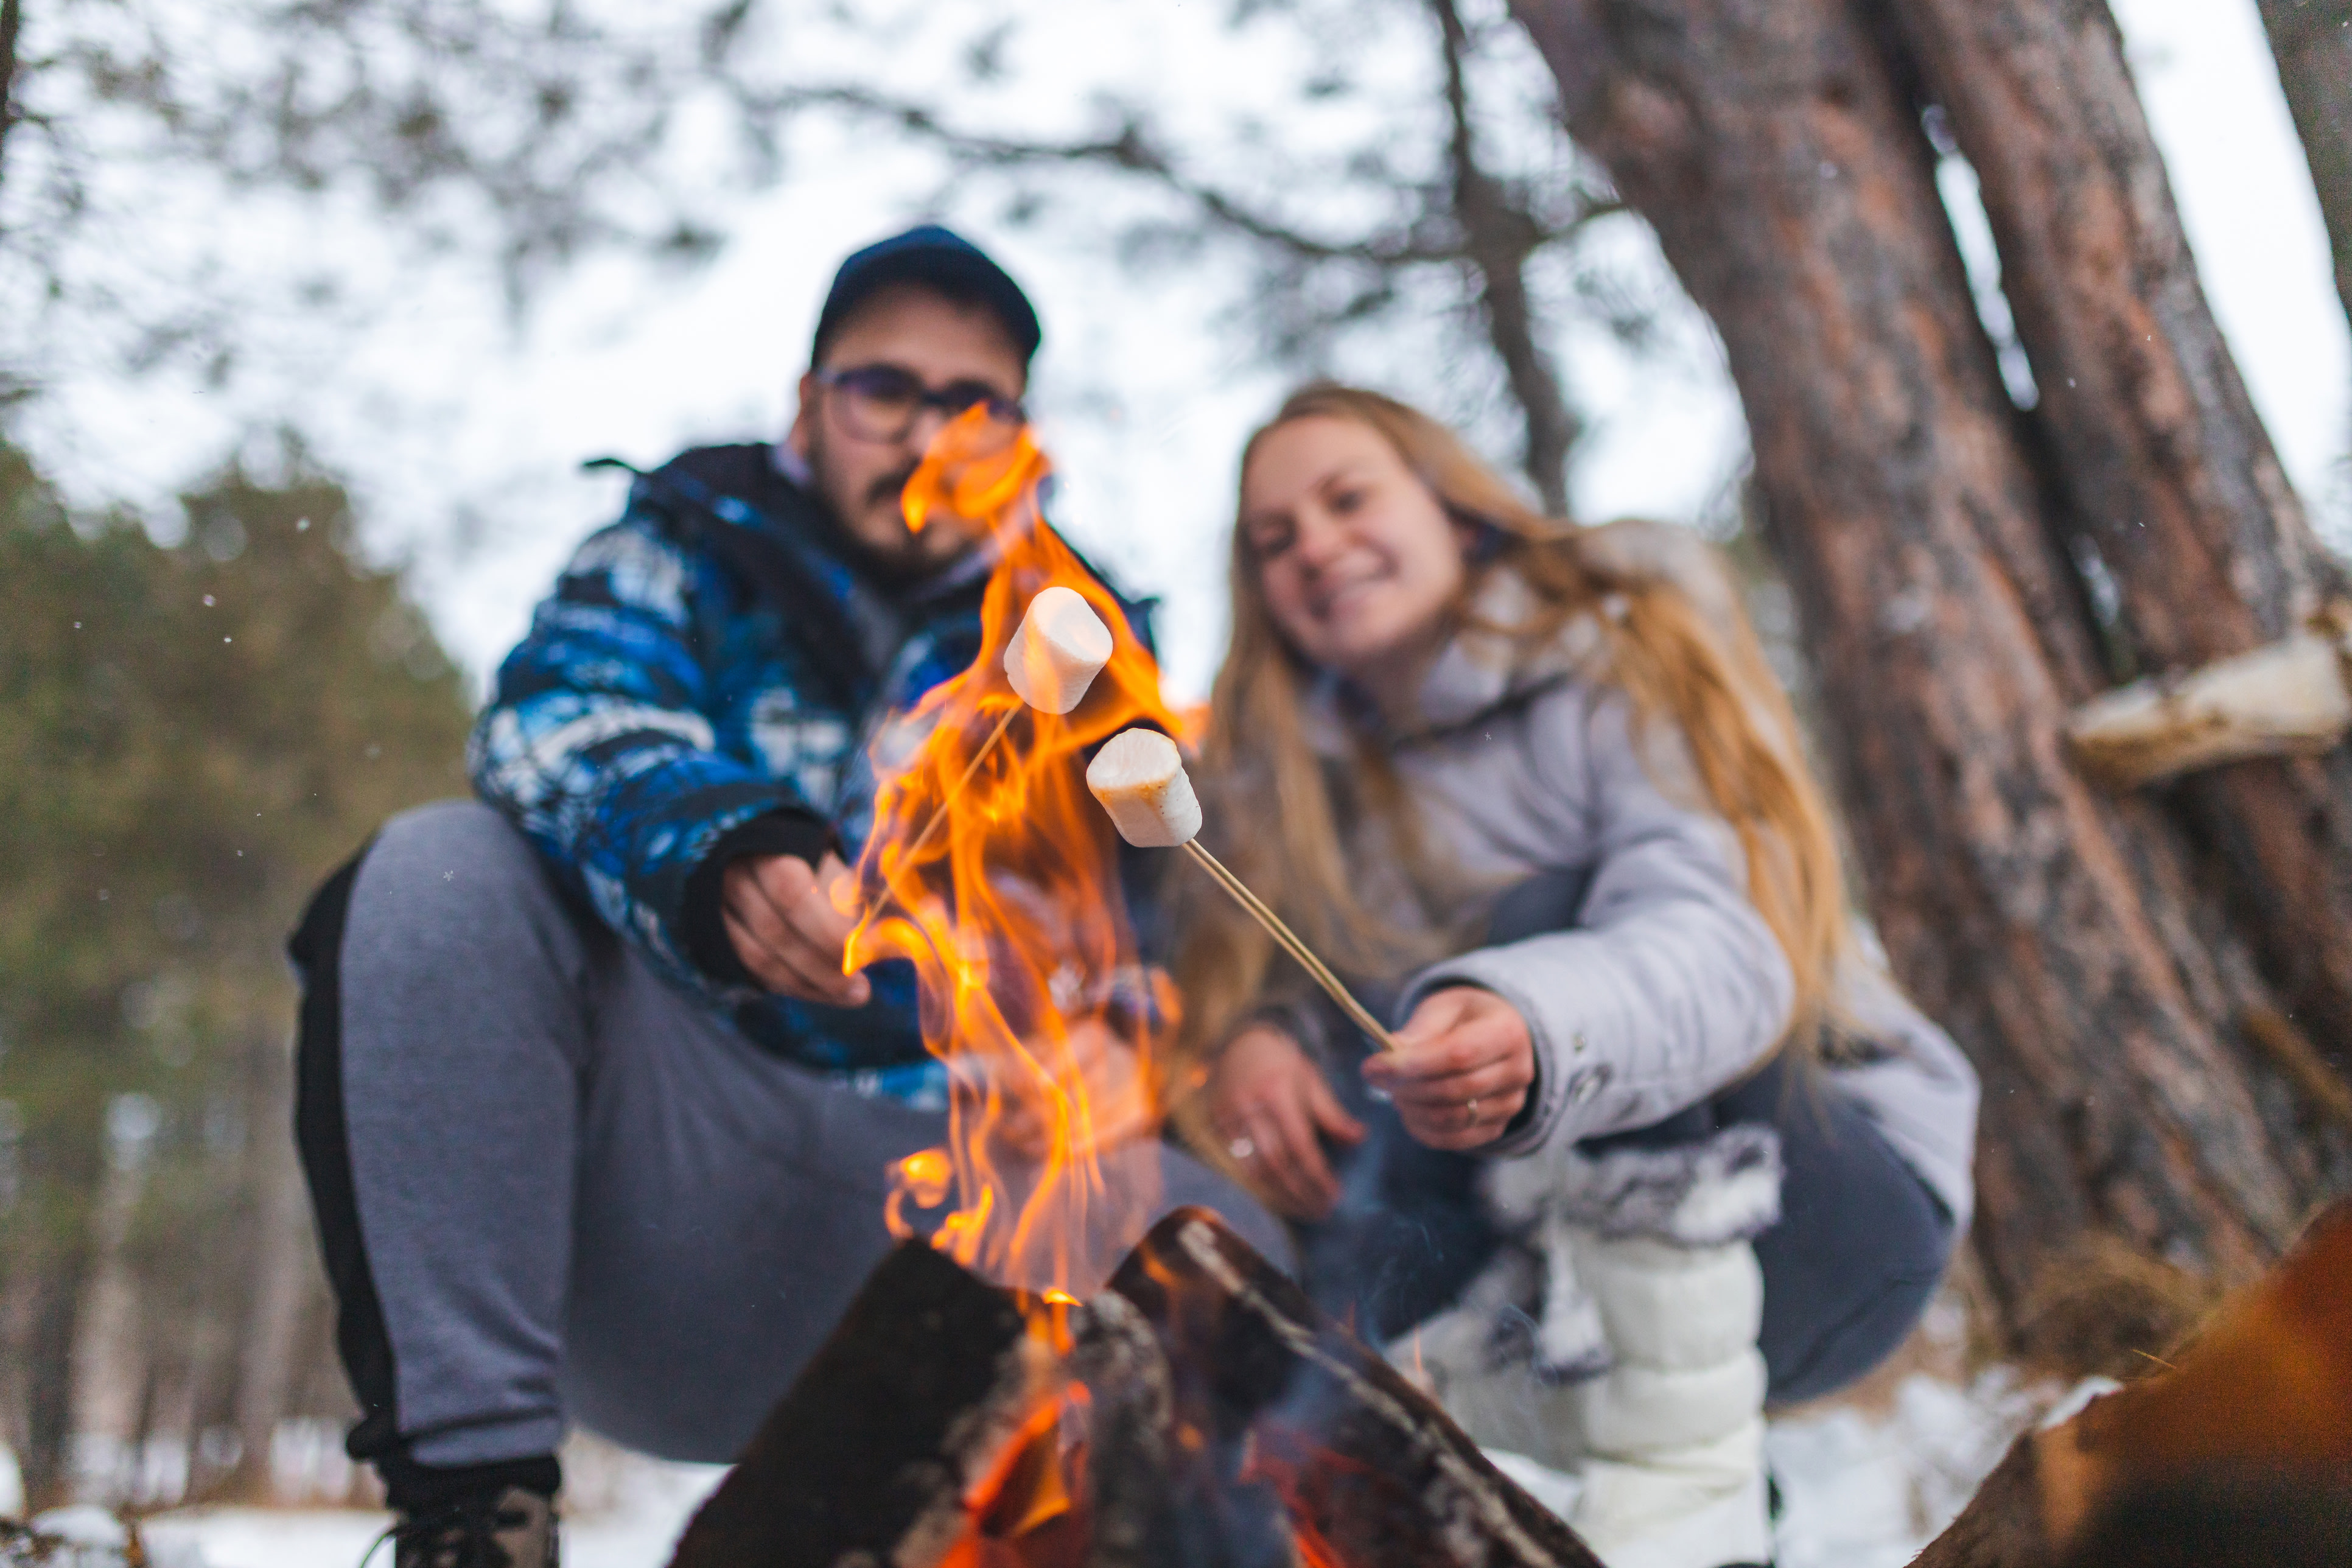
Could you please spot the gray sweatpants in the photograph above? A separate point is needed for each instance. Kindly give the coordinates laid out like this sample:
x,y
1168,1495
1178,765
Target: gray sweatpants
x,y
552,1188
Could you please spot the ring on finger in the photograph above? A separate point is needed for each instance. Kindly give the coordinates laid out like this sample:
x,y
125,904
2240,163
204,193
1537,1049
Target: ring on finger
x,y
1471,1106
1241,1148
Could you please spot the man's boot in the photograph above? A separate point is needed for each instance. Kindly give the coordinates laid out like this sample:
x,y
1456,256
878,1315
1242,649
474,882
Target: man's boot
x,y
513,1528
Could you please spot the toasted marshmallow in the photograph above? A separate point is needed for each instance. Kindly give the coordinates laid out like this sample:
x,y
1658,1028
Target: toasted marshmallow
x,y
1060,647
1138,776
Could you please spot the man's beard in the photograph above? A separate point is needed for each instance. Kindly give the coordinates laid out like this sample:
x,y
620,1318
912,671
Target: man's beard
x,y
896,548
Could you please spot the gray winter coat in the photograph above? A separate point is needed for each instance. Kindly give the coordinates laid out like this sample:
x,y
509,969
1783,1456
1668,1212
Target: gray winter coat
x,y
1671,986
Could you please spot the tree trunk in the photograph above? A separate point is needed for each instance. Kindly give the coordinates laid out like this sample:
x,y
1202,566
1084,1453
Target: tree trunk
x,y
2312,41
2167,469
12,28
44,1466
1776,147
109,1361
281,1262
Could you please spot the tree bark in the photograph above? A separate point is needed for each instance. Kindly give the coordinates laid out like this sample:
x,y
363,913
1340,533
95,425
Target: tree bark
x,y
12,28
2312,42
1775,145
2167,469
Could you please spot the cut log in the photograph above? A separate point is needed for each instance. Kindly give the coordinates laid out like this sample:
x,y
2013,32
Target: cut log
x,y
2252,1420
2291,698
1136,1486
1373,1472
918,1396
1205,1416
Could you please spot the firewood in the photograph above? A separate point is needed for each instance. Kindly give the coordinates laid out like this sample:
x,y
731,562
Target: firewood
x,y
2235,1517
1373,1473
2258,1406
917,1395
1157,1503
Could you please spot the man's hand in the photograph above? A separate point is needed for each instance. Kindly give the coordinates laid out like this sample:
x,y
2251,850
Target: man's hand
x,y
1269,1101
782,920
1461,1068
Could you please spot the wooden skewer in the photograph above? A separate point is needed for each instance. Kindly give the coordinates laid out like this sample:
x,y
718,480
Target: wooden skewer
x,y
1316,969
940,812
1288,940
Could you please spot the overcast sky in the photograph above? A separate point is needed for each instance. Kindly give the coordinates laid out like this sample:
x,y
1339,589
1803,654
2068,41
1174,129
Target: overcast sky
x,y
464,440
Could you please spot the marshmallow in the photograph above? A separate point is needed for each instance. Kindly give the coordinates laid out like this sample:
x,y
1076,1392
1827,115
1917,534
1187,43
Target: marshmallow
x,y
1138,776
1060,647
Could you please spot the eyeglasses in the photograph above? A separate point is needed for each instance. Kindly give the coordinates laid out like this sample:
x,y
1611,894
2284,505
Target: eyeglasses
x,y
882,401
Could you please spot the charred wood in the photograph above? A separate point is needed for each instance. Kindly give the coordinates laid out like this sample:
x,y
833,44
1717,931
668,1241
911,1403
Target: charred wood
x,y
917,1395
1373,1472
1146,1490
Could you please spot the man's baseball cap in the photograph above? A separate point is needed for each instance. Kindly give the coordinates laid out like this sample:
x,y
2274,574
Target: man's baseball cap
x,y
939,259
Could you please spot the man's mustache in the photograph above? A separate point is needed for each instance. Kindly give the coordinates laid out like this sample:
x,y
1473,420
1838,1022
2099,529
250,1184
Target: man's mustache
x,y
890,487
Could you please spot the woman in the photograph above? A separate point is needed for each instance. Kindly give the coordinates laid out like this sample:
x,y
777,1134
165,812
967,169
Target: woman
x,y
1535,788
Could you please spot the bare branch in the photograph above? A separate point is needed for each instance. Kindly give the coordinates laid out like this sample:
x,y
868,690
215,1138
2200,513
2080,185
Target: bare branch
x,y
1498,236
1130,150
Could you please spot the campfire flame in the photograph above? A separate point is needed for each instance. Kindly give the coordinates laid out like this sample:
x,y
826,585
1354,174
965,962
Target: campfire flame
x,y
994,870
1011,908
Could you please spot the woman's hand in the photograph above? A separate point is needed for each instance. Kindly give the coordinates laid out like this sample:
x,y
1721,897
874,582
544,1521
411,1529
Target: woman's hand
x,y
1269,1103
1461,1068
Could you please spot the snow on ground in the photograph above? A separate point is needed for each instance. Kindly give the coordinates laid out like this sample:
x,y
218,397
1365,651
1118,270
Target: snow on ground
x,y
1868,1491
1865,1484
634,1520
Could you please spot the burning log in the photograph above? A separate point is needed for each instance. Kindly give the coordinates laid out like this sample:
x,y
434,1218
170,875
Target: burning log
x,y
1162,1493
1203,1415
2252,1422
919,1396
1372,1471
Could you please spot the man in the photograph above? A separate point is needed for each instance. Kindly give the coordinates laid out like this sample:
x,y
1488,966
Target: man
x,y
595,1126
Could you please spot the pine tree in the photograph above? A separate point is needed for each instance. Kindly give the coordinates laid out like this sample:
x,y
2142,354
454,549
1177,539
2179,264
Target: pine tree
x,y
190,738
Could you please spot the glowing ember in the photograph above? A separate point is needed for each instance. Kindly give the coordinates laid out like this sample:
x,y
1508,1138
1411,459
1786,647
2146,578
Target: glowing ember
x,y
1011,909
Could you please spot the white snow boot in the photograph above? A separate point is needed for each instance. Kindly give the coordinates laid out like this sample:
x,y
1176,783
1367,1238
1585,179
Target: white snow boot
x,y
1651,1301
1674,1428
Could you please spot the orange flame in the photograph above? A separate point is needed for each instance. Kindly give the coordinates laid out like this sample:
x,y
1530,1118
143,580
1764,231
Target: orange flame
x,y
1011,908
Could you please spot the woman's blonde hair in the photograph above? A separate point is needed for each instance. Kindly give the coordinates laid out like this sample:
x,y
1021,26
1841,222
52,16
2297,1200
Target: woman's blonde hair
x,y
1704,673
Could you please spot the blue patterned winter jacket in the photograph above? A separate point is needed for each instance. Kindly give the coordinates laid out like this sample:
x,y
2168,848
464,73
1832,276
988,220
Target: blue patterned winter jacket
x,y
702,684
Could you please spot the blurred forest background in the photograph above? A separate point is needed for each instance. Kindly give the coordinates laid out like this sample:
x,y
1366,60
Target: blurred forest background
x,y
208,698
